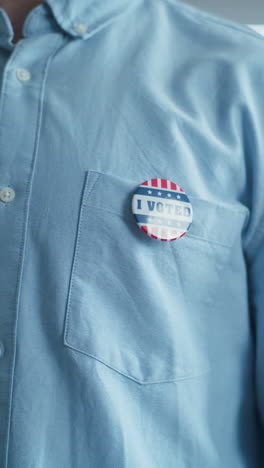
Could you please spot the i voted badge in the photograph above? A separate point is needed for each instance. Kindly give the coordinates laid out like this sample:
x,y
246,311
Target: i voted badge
x,y
162,209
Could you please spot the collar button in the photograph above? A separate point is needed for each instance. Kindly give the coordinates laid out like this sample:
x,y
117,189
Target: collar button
x,y
80,29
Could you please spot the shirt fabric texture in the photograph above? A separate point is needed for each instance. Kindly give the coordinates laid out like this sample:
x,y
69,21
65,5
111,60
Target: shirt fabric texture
x,y
119,350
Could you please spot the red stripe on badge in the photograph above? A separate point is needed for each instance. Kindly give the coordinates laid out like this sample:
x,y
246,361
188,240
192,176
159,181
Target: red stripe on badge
x,y
182,234
164,183
154,182
145,183
173,186
181,190
144,228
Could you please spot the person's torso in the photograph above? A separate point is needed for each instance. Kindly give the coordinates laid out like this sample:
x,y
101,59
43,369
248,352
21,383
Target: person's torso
x,y
128,352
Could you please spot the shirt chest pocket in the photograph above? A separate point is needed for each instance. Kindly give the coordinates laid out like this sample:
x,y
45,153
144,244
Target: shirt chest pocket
x,y
134,302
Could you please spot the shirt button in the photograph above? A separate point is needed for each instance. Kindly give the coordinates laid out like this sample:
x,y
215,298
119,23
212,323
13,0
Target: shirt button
x,y
2,349
22,74
7,194
80,29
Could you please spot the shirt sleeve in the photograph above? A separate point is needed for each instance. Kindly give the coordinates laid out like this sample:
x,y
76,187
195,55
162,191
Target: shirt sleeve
x,y
253,238
254,255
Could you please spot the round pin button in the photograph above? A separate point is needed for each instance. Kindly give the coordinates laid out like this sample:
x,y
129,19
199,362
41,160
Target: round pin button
x,y
162,209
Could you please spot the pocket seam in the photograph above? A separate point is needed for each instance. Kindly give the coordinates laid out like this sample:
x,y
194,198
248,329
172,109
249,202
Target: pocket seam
x,y
130,377
243,210
88,188
76,249
127,218
205,238
208,240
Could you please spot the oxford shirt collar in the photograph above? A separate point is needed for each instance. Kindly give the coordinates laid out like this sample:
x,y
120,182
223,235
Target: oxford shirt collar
x,y
78,18
92,15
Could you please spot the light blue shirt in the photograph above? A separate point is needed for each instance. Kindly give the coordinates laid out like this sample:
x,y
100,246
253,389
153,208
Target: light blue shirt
x,y
119,350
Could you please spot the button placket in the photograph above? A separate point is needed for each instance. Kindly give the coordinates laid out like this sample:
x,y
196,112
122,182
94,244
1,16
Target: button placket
x,y
20,113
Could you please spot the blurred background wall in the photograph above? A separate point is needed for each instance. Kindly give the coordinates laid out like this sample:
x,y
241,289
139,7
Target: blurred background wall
x,y
249,12
242,11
